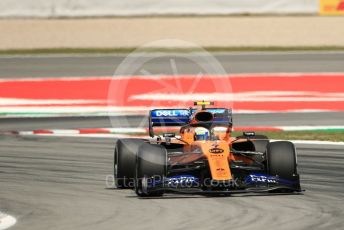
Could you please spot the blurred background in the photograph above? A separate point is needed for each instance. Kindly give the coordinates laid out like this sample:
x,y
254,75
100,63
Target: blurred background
x,y
260,45
35,24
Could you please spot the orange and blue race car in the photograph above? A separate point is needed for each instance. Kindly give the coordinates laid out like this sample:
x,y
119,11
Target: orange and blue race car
x,y
203,157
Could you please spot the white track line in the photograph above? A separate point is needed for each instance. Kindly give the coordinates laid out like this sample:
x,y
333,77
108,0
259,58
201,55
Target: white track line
x,y
315,142
6,221
310,128
24,102
252,96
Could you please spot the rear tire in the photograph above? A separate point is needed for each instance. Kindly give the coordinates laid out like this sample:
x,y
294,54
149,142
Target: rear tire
x,y
281,159
151,162
124,162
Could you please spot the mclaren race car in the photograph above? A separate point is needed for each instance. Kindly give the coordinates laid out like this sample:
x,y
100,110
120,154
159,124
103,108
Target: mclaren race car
x,y
203,157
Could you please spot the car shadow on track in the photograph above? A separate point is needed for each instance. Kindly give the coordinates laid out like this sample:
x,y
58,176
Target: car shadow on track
x,y
176,196
169,196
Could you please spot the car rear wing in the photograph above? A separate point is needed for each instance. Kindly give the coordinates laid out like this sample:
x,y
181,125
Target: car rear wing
x,y
181,117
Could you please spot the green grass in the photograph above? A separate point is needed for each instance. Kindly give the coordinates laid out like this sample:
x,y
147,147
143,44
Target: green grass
x,y
329,135
178,50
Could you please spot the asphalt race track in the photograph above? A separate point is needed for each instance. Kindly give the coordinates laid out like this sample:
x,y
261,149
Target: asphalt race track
x,y
60,183
105,65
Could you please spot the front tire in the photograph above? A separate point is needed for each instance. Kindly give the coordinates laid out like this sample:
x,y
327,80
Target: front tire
x,y
151,163
281,159
124,162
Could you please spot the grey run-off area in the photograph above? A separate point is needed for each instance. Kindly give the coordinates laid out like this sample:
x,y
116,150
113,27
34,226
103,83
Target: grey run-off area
x,y
233,62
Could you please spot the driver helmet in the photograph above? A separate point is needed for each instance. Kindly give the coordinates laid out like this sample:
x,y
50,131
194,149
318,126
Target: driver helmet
x,y
201,134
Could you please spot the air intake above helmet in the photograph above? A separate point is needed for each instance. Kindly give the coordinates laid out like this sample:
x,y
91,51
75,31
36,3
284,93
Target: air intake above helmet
x,y
204,116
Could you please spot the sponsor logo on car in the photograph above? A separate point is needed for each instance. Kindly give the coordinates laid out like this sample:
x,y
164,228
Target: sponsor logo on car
x,y
261,179
171,113
182,181
216,150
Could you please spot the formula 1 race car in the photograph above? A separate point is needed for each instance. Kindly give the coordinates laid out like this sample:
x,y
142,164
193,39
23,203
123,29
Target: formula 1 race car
x,y
203,157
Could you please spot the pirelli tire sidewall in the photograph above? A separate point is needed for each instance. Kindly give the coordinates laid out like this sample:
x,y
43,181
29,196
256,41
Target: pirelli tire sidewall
x,y
281,159
151,162
125,162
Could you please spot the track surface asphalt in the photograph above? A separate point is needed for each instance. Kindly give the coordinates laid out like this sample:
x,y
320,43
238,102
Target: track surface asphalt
x,y
59,183
105,65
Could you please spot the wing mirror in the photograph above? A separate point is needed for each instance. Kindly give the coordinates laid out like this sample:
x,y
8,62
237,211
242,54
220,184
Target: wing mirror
x,y
170,135
249,134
